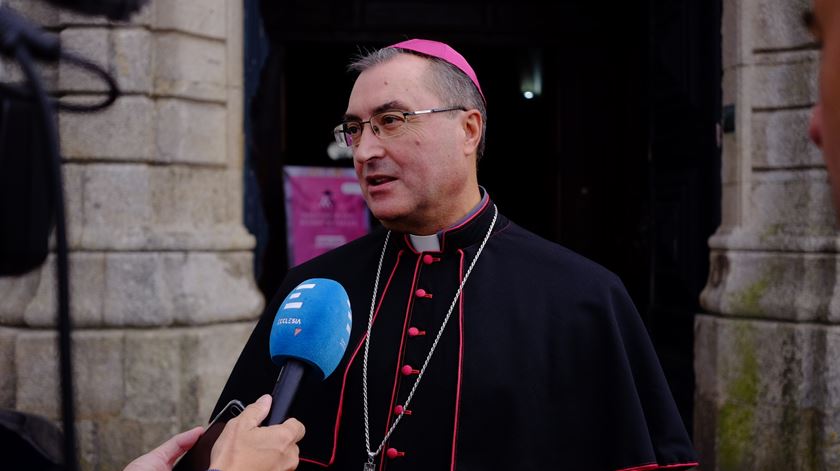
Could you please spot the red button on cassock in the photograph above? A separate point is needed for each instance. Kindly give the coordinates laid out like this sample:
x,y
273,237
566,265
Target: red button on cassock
x,y
428,259
399,410
421,293
394,453
414,332
408,370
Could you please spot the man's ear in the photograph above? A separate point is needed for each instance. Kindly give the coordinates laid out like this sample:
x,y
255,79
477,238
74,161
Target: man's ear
x,y
473,127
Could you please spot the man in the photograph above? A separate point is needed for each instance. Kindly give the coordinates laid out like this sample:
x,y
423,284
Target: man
x,y
824,23
489,348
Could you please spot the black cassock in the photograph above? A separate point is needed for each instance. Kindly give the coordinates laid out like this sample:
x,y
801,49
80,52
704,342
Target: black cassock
x,y
544,364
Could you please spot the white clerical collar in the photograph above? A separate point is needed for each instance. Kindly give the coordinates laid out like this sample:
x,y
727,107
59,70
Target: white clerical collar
x,y
431,243
426,243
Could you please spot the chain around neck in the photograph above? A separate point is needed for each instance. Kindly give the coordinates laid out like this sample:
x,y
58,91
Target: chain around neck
x,y
372,454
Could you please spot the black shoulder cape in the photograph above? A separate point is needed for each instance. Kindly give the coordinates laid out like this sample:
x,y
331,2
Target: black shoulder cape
x,y
544,363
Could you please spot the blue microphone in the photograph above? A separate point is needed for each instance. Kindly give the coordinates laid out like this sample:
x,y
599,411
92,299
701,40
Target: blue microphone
x,y
310,332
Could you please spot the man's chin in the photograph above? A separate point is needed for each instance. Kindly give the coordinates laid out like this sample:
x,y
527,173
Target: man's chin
x,y
395,221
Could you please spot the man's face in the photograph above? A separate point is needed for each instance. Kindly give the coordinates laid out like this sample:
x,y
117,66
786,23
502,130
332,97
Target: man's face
x,y
825,120
424,179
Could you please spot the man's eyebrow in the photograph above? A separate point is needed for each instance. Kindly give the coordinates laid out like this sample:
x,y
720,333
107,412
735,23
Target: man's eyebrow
x,y
389,106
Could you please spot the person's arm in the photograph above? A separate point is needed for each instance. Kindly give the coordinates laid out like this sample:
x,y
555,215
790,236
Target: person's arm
x,y
163,457
245,446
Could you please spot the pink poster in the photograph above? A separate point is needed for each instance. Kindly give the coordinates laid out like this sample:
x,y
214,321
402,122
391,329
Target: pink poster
x,y
324,210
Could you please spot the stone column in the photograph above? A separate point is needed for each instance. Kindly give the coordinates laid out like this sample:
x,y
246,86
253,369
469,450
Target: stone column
x,y
766,350
163,296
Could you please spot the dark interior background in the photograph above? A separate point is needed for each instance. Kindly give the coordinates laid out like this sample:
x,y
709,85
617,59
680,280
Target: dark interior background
x,y
618,157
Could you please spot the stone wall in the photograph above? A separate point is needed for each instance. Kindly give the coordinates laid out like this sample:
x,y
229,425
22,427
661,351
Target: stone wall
x,y
766,351
162,289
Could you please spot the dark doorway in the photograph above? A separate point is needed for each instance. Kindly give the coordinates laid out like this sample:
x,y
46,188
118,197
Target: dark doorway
x,y
614,156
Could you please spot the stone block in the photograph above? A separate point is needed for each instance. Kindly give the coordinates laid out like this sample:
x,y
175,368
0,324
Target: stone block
x,y
199,17
153,207
152,374
780,140
142,289
212,287
731,205
235,45
37,387
829,369
190,198
784,79
733,33
731,166
39,12
788,286
125,131
97,371
87,286
791,438
770,362
8,338
143,17
131,59
10,72
94,45
136,292
729,85
72,18
17,293
235,210
235,130
111,443
764,385
191,132
778,24
705,432
118,197
788,203
73,175
87,444
706,356
190,67
208,356
123,440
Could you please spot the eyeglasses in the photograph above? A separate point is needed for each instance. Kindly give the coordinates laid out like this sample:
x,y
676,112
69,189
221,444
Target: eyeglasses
x,y
385,125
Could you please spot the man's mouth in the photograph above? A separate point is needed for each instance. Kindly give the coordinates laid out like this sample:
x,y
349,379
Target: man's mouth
x,y
378,180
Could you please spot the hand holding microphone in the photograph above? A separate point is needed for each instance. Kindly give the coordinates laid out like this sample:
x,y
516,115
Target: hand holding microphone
x,y
244,445
310,333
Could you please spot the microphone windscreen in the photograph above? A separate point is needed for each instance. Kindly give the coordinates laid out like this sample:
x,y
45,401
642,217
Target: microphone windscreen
x,y
313,325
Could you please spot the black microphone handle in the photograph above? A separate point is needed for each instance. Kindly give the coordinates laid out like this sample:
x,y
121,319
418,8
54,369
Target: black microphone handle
x,y
284,390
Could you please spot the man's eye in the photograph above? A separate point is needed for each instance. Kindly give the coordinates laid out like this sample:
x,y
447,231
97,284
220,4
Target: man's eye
x,y
352,128
391,119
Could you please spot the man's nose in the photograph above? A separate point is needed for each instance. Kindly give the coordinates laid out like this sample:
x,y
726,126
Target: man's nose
x,y
815,127
368,147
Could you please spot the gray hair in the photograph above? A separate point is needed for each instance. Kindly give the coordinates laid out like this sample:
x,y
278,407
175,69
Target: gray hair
x,y
448,82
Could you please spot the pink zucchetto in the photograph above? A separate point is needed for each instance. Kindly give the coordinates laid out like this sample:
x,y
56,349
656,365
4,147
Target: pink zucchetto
x,y
441,51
